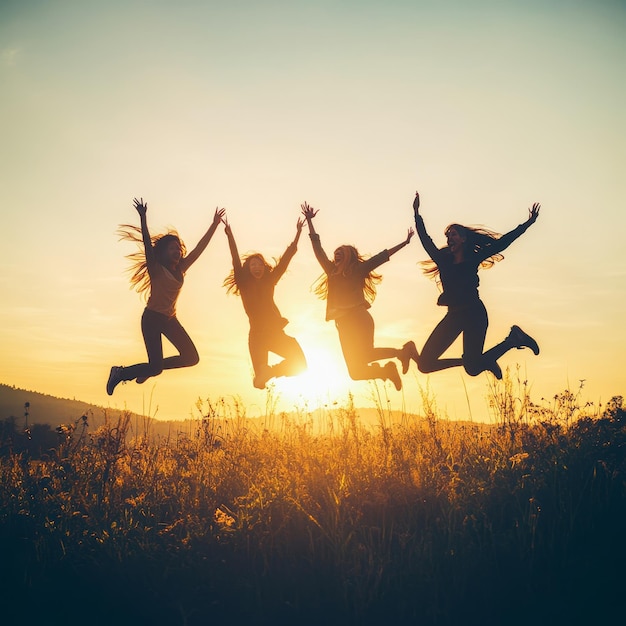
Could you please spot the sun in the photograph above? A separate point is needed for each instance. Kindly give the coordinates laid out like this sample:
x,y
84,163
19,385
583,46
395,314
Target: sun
x,y
325,381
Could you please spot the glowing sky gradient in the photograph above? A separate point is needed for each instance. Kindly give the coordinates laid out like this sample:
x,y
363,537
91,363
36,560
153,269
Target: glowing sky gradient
x,y
485,107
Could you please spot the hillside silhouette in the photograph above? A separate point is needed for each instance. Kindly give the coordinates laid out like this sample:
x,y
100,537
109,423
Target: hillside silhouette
x,y
46,409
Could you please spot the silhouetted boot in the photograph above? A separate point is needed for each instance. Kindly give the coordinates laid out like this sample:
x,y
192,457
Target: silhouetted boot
x,y
520,339
115,378
409,351
391,373
260,379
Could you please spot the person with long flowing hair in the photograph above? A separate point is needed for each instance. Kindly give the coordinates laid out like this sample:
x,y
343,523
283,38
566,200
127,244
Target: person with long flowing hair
x,y
455,267
254,279
348,285
158,272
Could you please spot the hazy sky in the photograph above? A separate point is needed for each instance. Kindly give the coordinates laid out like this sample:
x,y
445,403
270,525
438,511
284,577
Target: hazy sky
x,y
485,107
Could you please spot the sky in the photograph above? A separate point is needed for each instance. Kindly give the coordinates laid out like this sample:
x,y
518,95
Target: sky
x,y
353,105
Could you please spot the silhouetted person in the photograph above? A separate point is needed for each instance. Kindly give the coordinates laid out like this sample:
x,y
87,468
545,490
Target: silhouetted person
x,y
159,272
254,280
456,266
349,287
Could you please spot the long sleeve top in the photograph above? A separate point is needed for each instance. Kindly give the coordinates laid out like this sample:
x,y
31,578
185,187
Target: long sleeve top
x,y
257,294
460,280
345,291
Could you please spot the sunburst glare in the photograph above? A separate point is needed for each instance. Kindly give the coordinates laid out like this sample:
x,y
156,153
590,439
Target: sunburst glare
x,y
325,381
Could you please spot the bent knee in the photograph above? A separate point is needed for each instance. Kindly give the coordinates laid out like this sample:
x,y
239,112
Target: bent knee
x,y
473,368
425,366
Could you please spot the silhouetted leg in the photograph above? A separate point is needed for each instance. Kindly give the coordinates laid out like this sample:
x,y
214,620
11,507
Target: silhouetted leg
x,y
258,346
294,361
152,327
356,335
180,339
475,323
442,337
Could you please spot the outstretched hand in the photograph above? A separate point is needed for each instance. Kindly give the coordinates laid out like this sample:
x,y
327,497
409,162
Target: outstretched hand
x,y
300,224
533,213
409,234
227,228
219,215
140,206
416,203
308,211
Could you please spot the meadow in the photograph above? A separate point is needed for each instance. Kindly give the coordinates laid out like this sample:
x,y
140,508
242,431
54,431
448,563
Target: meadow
x,y
302,519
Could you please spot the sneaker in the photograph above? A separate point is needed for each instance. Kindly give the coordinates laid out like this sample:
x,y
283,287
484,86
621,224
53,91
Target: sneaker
x,y
260,380
391,372
115,377
409,351
520,339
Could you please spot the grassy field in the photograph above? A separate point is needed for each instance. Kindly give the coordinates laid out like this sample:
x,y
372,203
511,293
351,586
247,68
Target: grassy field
x,y
419,521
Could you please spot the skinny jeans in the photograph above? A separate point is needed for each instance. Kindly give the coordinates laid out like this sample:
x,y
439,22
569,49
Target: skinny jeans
x,y
154,326
262,342
356,336
471,321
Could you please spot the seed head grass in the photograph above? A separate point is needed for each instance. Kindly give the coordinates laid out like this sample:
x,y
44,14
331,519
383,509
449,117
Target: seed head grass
x,y
303,519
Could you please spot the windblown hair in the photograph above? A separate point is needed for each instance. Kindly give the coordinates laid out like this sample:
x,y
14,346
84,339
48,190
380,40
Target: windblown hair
x,y
140,280
351,257
477,239
230,282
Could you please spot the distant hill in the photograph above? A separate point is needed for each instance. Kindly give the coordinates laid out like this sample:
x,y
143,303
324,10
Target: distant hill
x,y
45,409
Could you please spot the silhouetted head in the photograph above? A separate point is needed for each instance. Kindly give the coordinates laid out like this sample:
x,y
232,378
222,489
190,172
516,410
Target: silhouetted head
x,y
256,265
344,257
169,249
253,264
470,240
456,237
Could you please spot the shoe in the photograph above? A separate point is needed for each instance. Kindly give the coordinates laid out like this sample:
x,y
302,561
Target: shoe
x,y
409,351
496,370
115,378
520,339
391,372
260,380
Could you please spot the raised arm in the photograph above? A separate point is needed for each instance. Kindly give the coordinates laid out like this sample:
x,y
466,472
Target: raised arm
x,y
192,257
401,245
427,242
234,253
292,248
142,208
508,238
309,213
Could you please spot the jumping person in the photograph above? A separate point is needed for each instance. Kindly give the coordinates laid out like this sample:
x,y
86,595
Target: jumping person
x,y
254,279
348,285
158,272
455,267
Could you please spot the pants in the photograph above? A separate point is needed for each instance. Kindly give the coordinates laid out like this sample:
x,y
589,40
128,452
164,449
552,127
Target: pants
x,y
262,342
153,326
356,335
471,321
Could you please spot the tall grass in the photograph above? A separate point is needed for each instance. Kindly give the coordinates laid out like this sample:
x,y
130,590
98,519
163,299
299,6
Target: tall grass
x,y
417,521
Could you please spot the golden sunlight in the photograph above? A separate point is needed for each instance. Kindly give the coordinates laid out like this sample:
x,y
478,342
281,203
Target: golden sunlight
x,y
324,381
